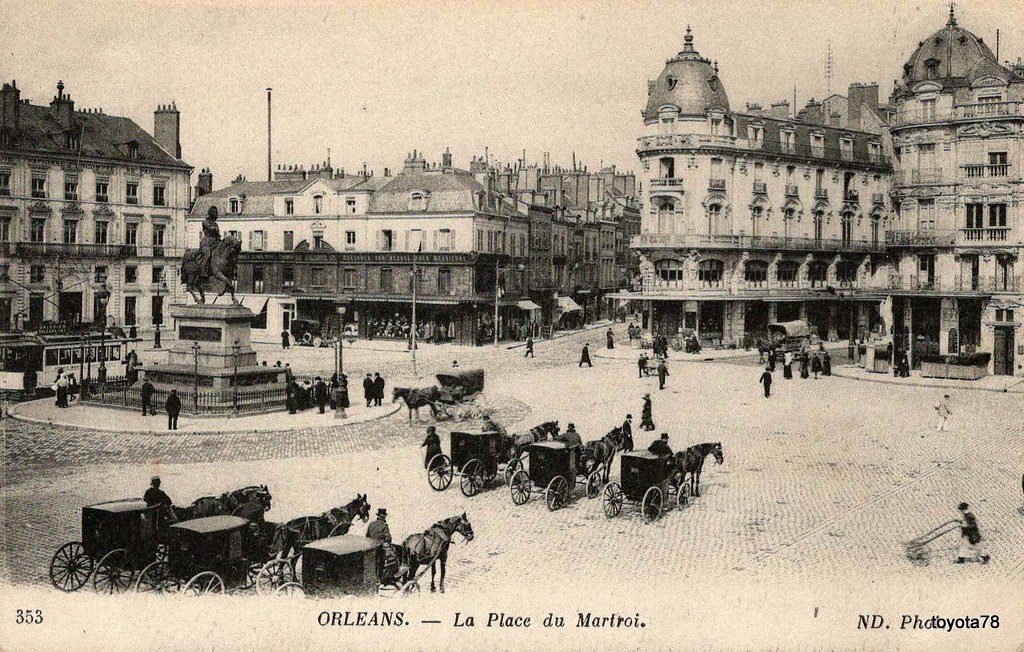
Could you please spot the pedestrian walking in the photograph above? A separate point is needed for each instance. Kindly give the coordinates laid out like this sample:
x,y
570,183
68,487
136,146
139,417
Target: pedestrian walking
x,y
146,394
804,367
773,357
943,411
766,380
646,416
291,397
787,365
585,356
285,339
173,408
662,373
320,394
529,347
378,389
611,339
641,364
627,434
433,445
816,366
826,364
289,375
62,391
970,537
368,389
343,391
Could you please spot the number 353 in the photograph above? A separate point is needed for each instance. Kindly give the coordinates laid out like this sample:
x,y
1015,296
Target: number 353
x,y
28,617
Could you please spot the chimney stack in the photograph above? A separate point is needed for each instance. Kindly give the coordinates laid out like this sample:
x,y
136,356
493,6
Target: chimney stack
x,y
205,184
167,129
780,109
10,106
446,159
63,107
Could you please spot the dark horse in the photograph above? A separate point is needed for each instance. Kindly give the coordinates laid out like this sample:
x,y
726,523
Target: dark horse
x,y
223,267
599,453
432,546
514,445
334,522
691,461
227,503
416,398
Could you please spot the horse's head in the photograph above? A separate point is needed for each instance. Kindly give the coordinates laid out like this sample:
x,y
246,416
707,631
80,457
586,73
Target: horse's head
x,y
360,507
716,450
463,527
263,495
398,392
615,436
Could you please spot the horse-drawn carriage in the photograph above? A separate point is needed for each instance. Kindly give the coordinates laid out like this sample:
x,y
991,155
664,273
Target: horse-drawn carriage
x,y
118,538
351,565
215,554
555,469
452,399
477,456
649,481
461,384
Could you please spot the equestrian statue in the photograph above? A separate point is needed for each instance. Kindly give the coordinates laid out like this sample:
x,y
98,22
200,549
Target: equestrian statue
x,y
216,258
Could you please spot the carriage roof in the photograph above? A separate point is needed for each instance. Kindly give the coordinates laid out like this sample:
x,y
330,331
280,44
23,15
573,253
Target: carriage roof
x,y
550,445
473,377
345,544
120,506
642,454
477,432
211,524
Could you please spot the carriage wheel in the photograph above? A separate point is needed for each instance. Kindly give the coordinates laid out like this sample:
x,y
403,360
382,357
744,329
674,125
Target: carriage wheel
x,y
652,503
70,567
683,495
613,499
114,573
440,472
471,480
156,578
290,588
511,468
274,574
594,484
205,583
520,487
557,493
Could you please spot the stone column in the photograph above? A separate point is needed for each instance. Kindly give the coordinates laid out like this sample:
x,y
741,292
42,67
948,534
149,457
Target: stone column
x,y
773,312
739,321
803,310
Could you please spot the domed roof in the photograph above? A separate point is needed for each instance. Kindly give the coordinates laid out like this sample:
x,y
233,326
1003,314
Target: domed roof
x,y
689,82
950,52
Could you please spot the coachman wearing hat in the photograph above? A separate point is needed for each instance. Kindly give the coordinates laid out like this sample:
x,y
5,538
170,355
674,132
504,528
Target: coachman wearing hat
x,y
660,447
432,444
155,496
379,529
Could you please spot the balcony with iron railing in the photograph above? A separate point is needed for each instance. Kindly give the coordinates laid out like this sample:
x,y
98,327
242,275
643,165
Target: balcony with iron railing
x,y
76,250
741,242
927,238
792,190
821,193
961,112
851,195
666,182
938,284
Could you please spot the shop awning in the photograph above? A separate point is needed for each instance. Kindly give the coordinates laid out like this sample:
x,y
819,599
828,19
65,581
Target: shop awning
x,y
566,304
528,305
256,304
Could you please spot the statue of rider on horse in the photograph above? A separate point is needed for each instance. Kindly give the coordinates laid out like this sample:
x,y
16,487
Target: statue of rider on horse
x,y
216,258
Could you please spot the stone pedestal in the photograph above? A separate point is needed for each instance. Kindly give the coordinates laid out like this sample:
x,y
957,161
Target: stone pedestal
x,y
225,357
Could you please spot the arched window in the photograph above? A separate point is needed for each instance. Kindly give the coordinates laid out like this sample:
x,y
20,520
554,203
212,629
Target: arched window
x,y
710,273
819,226
788,216
670,270
755,273
786,273
665,210
318,204
847,228
756,221
714,218
817,273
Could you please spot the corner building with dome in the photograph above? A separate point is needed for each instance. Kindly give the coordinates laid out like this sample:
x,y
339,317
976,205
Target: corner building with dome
x,y
771,215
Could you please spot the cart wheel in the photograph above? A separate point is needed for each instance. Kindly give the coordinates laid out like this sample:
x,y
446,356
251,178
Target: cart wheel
x,y
520,487
594,484
651,505
205,583
511,468
70,567
289,589
274,574
306,337
683,495
252,571
613,500
156,578
114,573
440,472
557,493
471,480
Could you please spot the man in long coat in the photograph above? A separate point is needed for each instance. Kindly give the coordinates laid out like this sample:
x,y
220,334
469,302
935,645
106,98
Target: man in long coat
x,y
378,389
662,374
433,445
585,356
646,418
368,389
766,380
627,434
320,394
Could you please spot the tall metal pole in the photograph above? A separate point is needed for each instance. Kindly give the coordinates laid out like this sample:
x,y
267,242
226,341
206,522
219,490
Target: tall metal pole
x,y
415,283
269,171
497,293
195,376
234,377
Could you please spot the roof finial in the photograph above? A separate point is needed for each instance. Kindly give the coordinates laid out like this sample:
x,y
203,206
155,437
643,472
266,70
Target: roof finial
x,y
952,17
688,40
715,66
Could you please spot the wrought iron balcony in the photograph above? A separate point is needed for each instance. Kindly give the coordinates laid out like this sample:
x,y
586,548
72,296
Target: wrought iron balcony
x,y
979,284
76,250
792,190
851,195
697,240
666,183
821,193
920,238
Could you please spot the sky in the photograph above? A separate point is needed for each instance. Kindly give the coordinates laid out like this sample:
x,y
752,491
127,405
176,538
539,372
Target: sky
x,y
371,81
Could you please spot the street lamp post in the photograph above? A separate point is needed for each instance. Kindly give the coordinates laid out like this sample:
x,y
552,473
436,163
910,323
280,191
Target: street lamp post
x,y
195,376
234,376
415,285
156,333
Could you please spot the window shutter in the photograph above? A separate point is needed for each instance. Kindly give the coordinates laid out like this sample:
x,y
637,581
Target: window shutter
x,y
434,239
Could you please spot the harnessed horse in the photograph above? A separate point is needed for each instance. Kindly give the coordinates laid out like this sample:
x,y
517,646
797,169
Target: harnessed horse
x,y
333,522
691,461
599,453
416,398
226,503
432,546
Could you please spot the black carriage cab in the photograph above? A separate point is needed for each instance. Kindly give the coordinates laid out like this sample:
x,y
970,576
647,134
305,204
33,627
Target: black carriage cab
x,y
342,565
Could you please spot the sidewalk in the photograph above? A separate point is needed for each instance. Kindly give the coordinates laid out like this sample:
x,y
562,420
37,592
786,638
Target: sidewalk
x,y
604,323
624,351
1001,384
102,418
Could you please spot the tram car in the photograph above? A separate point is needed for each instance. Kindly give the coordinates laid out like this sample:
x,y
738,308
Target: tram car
x,y
29,363
649,481
554,472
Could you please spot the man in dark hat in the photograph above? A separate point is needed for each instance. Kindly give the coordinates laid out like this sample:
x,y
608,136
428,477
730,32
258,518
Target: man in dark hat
x,y
379,529
766,380
662,373
368,389
155,496
146,393
378,389
173,408
320,394
627,434
585,356
970,537
646,416
660,447
433,445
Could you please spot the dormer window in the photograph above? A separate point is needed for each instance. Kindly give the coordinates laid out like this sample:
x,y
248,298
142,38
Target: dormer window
x,y
418,201
818,144
71,140
671,82
318,204
931,69
786,141
233,205
133,150
846,147
757,135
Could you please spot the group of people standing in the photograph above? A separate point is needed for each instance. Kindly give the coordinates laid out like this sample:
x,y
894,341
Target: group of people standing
x,y
809,363
373,389
66,388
